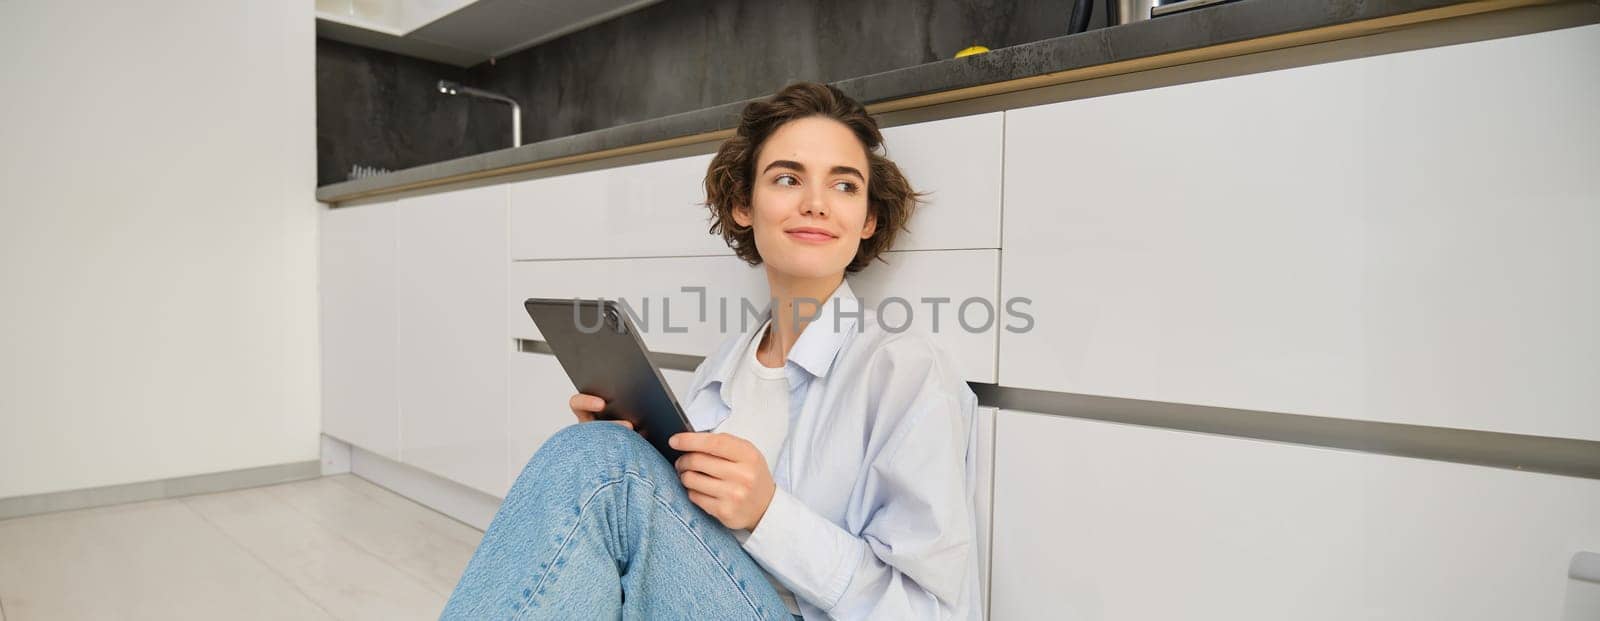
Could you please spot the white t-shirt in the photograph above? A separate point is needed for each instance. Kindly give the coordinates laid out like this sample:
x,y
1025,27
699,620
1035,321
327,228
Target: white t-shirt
x,y
760,404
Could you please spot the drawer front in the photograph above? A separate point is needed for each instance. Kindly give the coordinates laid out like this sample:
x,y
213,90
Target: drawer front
x,y
729,283
957,162
1396,267
650,209
1098,520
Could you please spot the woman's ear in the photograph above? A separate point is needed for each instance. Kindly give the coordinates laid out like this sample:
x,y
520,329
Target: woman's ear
x,y
872,224
741,215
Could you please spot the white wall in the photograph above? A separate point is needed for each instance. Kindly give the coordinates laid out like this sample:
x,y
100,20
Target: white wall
x,y
157,232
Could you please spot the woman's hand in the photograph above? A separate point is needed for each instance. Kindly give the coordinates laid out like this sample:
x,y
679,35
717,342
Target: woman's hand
x,y
726,476
587,408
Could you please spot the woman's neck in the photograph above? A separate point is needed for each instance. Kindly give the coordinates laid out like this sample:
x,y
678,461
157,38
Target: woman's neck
x,y
795,301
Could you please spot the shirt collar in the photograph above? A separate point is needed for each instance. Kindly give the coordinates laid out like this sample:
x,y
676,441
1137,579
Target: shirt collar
x,y
820,342
818,345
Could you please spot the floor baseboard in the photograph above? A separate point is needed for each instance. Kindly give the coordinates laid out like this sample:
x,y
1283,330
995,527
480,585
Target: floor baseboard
x,y
52,502
461,503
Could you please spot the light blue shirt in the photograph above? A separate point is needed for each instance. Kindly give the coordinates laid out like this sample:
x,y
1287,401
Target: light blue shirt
x,y
873,515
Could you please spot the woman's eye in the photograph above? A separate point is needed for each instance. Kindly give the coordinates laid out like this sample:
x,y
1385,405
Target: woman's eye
x,y
847,187
782,179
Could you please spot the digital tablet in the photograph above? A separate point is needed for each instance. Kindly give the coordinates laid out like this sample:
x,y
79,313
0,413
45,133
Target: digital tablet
x,y
602,353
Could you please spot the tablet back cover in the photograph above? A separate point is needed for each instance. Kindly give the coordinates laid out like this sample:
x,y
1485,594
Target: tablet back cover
x,y
602,353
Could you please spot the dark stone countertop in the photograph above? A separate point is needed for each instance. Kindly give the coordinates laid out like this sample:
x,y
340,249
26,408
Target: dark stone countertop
x,y
1241,20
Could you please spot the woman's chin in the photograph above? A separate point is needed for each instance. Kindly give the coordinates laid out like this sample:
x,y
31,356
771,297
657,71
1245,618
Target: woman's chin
x,y
807,268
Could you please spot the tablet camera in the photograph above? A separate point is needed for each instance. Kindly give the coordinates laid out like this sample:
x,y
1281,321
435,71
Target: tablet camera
x,y
613,320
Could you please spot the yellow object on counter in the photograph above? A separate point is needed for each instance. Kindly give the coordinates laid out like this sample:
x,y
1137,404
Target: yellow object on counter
x,y
976,49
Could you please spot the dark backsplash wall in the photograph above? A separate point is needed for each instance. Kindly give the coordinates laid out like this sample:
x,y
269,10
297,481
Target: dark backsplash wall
x,y
382,110
679,55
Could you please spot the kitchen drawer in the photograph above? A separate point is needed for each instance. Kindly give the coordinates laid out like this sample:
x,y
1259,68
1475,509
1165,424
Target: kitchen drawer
x,y
357,292
1405,238
1096,520
451,263
954,274
537,391
650,209
957,161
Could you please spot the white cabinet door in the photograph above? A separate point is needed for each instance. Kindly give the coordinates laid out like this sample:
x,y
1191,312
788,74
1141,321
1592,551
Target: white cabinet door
x,y
653,288
538,390
356,268
957,162
1097,520
650,209
451,253
1411,237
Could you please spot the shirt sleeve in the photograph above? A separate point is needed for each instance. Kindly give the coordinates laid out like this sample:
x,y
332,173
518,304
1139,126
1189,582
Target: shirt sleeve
x,y
914,555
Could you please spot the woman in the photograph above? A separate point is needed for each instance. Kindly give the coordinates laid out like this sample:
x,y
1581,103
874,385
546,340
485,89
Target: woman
x,y
836,478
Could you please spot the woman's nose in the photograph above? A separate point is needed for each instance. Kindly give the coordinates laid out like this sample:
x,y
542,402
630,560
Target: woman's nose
x,y
815,203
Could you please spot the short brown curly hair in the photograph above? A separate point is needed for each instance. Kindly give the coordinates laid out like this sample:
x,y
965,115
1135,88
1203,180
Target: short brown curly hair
x,y
729,179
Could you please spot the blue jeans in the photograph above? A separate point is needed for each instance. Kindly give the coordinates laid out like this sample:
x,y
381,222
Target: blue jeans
x,y
599,526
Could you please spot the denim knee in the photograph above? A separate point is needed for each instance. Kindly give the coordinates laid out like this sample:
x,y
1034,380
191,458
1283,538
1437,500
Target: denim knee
x,y
598,449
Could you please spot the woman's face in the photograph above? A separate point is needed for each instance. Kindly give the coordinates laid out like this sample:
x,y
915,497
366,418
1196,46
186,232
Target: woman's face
x,y
809,199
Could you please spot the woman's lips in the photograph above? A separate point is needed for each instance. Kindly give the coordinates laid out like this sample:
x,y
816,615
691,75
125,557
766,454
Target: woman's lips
x,y
810,236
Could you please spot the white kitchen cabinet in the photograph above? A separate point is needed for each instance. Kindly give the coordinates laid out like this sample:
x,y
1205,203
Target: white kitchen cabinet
x,y
955,274
1096,520
538,390
1410,237
649,209
451,258
957,162
357,289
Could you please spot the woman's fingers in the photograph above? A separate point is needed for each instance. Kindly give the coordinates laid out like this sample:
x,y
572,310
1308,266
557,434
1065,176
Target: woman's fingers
x,y
710,464
585,407
587,403
727,446
705,484
588,407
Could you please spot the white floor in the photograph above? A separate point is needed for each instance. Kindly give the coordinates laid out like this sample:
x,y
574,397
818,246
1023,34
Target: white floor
x,y
330,548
